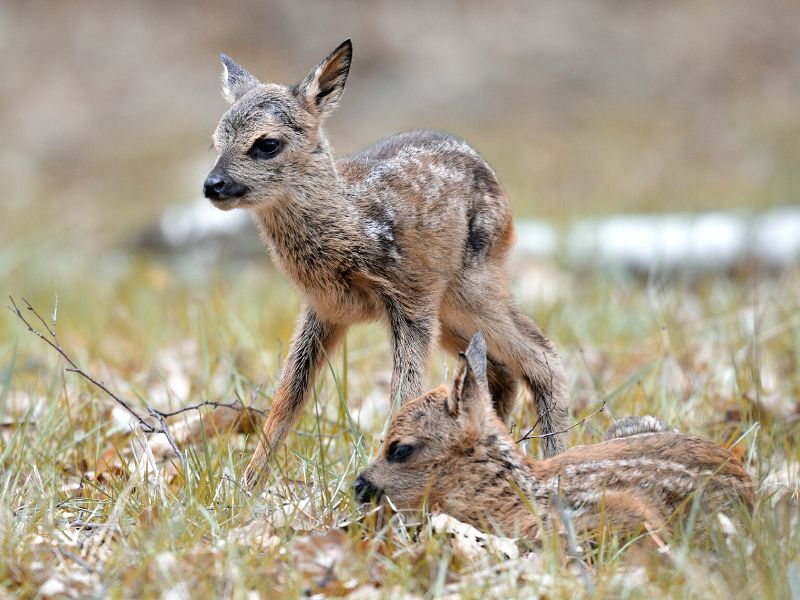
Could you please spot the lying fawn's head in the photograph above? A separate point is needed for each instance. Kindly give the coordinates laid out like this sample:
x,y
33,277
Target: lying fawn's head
x,y
429,436
270,142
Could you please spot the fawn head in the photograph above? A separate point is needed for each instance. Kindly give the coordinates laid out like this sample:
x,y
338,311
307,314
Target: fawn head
x,y
428,436
270,142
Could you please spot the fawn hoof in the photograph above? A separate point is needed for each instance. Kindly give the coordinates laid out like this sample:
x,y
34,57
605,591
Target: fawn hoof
x,y
250,478
365,490
256,467
252,475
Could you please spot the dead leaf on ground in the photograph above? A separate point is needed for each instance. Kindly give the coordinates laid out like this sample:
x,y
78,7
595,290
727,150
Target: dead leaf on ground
x,y
256,535
326,560
470,543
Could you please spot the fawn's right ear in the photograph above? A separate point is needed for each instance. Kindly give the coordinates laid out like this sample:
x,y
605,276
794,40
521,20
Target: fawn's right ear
x,y
470,386
324,86
236,80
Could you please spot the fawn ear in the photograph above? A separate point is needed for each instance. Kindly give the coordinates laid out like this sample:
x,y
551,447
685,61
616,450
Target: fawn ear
x,y
324,86
236,80
470,386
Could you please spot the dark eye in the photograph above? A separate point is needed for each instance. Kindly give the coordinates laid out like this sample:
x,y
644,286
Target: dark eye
x,y
399,452
265,148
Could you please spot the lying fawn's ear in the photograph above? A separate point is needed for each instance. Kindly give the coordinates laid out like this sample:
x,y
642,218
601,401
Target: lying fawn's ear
x,y
470,386
236,80
325,84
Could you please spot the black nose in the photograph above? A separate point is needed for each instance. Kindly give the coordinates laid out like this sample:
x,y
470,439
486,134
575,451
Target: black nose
x,y
214,184
365,490
219,186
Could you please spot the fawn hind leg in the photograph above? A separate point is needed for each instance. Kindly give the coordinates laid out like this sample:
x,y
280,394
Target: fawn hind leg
x,y
544,376
516,341
625,512
502,380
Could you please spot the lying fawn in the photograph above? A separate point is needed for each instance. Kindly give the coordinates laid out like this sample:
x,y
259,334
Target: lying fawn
x,y
449,449
413,231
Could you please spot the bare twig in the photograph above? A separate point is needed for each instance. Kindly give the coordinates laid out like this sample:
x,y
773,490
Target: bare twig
x,y
528,435
165,430
51,339
37,315
551,405
236,405
73,366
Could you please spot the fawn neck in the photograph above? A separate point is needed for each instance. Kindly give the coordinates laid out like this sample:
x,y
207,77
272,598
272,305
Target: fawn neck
x,y
509,492
311,227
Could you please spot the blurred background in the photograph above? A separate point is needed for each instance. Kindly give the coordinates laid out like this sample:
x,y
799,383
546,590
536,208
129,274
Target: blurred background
x,y
583,108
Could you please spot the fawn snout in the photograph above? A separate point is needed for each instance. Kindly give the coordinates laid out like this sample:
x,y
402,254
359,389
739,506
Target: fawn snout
x,y
219,185
365,490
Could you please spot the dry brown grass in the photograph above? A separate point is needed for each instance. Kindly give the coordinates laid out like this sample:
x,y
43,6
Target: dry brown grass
x,y
716,357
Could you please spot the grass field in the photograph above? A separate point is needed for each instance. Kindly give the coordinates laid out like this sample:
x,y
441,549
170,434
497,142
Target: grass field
x,y
583,108
88,508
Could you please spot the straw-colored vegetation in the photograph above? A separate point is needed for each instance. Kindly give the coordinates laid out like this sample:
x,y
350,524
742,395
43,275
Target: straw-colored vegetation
x,y
89,506
583,109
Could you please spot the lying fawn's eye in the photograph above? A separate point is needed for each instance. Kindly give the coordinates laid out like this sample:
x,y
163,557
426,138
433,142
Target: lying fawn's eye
x,y
265,148
399,452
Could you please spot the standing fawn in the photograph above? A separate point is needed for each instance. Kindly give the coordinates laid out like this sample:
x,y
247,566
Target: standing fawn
x,y
449,449
413,231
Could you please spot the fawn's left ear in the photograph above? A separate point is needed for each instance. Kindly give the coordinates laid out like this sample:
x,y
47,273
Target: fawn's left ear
x,y
236,80
470,386
324,86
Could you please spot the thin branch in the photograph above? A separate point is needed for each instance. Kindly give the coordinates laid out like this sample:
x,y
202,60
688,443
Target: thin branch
x,y
548,393
528,435
148,428
36,332
235,405
73,367
165,430
37,315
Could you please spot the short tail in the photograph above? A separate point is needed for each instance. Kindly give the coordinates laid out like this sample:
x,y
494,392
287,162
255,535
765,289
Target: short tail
x,y
636,425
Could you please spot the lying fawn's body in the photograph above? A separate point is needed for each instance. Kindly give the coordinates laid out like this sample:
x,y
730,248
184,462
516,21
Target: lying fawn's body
x,y
413,231
448,448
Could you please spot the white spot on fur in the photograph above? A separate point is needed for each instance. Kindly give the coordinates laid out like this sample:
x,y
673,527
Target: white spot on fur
x,y
444,172
586,480
377,231
431,176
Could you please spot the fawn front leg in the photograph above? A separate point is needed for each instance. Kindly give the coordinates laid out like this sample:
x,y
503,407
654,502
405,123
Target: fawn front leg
x,y
411,344
314,339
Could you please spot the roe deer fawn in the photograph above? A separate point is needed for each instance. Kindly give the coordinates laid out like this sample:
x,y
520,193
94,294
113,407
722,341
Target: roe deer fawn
x,y
413,231
449,449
